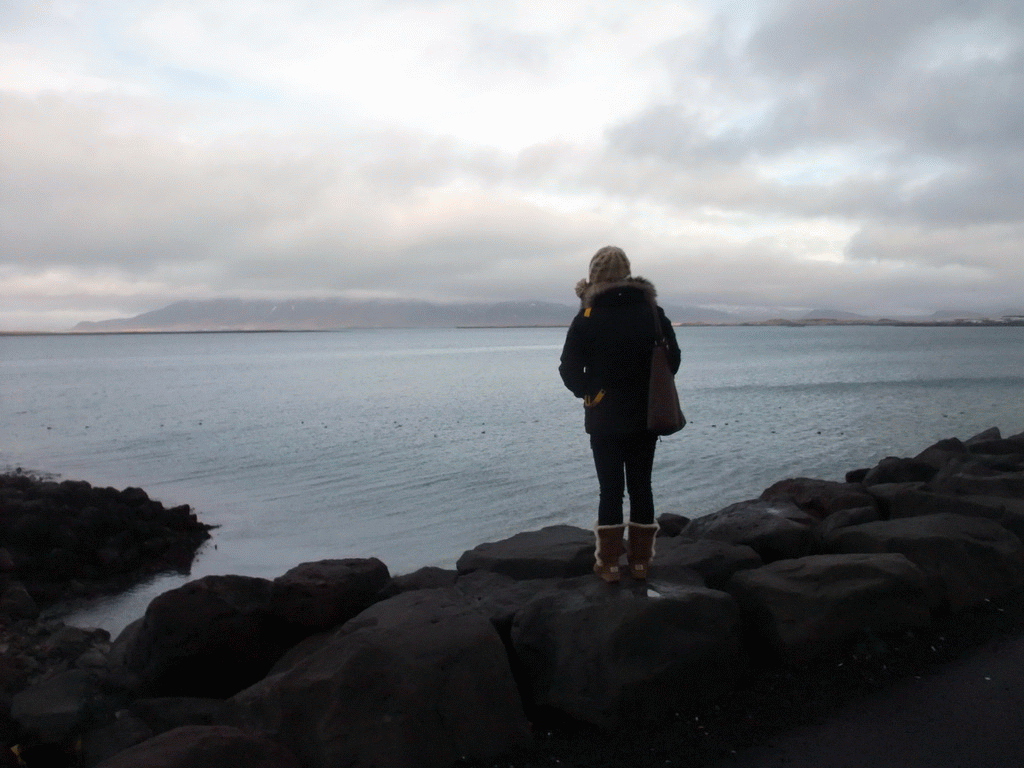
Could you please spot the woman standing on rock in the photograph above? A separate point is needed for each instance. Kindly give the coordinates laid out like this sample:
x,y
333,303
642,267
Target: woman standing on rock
x,y
606,361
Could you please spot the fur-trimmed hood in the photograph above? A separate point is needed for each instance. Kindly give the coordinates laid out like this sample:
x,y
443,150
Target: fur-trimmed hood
x,y
588,291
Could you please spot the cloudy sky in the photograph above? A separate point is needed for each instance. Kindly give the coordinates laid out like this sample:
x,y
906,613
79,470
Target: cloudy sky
x,y
855,154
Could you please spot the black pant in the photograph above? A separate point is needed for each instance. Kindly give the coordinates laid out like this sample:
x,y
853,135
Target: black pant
x,y
624,462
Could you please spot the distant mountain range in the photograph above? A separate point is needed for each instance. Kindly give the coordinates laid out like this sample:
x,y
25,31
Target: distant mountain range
x,y
338,313
332,314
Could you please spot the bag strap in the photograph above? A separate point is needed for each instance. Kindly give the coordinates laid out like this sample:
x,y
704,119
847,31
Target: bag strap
x,y
659,329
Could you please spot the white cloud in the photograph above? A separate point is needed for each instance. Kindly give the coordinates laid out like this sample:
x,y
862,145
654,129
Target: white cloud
x,y
794,154
506,75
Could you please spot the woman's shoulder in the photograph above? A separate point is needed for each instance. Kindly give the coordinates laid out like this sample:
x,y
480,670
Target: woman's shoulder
x,y
626,291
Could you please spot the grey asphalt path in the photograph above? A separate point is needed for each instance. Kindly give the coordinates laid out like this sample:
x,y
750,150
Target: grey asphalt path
x,y
969,714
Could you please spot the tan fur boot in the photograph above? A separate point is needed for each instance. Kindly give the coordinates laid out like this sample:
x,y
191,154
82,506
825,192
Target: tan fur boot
x,y
641,548
608,551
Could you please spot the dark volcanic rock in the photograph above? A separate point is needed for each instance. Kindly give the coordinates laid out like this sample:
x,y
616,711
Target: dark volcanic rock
x,y
342,665
17,603
977,479
671,524
324,594
613,656
124,731
57,675
1010,446
199,746
500,597
915,500
165,714
985,436
57,708
848,517
713,562
429,577
819,497
899,470
69,539
776,530
420,679
939,453
966,560
558,551
804,607
1008,512
207,638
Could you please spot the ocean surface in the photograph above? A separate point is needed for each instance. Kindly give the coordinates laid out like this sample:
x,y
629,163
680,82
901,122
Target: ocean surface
x,y
416,445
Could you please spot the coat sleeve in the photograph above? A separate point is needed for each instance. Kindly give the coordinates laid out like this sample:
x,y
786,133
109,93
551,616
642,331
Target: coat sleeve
x,y
675,356
572,368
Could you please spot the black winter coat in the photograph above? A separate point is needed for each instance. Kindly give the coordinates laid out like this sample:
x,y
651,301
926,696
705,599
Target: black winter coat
x,y
606,359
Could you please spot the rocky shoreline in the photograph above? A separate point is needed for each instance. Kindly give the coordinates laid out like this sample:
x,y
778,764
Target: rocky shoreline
x,y
767,614
66,540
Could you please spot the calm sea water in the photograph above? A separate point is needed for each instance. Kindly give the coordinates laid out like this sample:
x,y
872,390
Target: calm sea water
x,y
415,445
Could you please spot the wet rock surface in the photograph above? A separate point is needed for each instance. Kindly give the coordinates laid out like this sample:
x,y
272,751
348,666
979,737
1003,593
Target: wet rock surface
x,y
772,613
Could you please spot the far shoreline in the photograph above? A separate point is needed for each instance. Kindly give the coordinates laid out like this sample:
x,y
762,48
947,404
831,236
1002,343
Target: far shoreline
x,y
1008,322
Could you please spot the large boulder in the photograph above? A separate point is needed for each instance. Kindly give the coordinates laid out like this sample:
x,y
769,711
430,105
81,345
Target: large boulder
x,y
558,551
679,559
1008,512
320,595
966,560
992,433
500,597
975,477
36,652
615,656
428,577
893,469
941,453
1011,447
992,443
776,530
58,708
671,524
125,730
802,608
910,500
847,517
166,714
204,746
914,500
420,679
16,602
819,497
207,638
